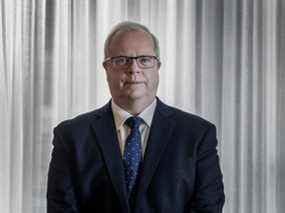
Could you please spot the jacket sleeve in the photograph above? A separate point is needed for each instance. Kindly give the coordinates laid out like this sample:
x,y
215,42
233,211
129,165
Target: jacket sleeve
x,y
209,194
60,189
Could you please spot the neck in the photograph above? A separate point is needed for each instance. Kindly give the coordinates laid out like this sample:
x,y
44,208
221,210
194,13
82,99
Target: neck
x,y
134,107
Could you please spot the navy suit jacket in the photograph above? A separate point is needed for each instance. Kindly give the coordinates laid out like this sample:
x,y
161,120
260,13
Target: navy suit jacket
x,y
180,171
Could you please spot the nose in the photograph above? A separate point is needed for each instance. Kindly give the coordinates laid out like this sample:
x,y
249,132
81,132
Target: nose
x,y
134,67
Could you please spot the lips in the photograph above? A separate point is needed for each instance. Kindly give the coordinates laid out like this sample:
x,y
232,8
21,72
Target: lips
x,y
133,82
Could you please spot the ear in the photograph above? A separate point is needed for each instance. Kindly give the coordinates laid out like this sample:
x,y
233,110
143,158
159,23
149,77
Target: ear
x,y
158,65
106,65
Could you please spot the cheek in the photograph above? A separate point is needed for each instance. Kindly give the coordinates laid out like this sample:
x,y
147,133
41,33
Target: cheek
x,y
152,79
115,81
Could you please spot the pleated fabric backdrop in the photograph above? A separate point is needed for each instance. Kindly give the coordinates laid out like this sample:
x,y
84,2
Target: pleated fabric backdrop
x,y
221,59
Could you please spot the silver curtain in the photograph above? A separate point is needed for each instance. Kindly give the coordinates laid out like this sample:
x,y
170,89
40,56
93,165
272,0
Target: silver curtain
x,y
222,59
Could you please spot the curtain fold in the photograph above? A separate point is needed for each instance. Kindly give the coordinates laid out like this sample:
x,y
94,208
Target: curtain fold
x,y
221,59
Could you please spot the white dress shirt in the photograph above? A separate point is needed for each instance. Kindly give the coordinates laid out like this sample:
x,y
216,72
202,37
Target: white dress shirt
x,y
120,116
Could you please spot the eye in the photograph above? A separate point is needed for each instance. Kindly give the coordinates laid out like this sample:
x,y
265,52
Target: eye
x,y
119,61
145,60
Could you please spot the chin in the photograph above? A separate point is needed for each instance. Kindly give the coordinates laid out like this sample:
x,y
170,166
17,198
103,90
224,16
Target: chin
x,y
135,96
142,97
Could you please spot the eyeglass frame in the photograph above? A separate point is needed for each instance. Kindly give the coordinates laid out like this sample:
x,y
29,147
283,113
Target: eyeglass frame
x,y
109,59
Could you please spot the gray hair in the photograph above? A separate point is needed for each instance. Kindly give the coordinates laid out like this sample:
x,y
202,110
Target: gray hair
x,y
127,26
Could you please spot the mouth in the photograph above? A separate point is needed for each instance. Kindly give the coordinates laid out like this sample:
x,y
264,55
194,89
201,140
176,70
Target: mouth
x,y
133,82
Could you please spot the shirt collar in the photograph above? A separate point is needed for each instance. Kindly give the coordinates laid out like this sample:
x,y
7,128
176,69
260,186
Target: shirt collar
x,y
120,115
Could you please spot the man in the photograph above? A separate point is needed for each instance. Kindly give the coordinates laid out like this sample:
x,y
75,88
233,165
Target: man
x,y
135,154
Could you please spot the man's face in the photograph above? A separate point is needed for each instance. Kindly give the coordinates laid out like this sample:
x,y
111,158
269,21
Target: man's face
x,y
131,83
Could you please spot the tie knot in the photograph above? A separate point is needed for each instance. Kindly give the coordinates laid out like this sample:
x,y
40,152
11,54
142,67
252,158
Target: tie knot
x,y
134,122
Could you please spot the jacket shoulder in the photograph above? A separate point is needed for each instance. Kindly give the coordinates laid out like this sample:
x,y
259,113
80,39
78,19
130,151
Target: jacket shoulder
x,y
81,122
192,118
185,118
188,123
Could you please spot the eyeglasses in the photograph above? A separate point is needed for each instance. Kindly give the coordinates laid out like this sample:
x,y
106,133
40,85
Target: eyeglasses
x,y
143,61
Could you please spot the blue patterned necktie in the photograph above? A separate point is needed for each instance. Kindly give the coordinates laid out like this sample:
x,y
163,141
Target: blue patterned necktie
x,y
133,153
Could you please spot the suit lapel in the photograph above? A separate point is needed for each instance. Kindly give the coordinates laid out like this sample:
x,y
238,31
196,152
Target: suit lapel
x,y
160,134
106,136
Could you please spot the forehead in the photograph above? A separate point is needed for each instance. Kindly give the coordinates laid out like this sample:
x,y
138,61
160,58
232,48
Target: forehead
x,y
135,42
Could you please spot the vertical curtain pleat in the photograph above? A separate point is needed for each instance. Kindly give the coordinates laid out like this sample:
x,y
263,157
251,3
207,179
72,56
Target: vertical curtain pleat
x,y
256,107
280,106
41,102
245,96
223,60
61,53
4,117
28,9
16,113
186,59
229,105
170,50
270,59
